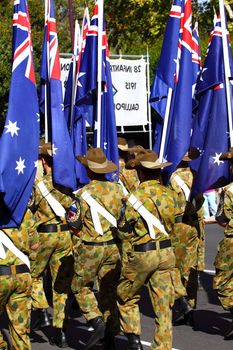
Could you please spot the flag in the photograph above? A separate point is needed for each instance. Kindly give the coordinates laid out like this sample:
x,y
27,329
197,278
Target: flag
x,y
20,139
63,156
87,89
165,73
81,114
180,115
196,57
210,129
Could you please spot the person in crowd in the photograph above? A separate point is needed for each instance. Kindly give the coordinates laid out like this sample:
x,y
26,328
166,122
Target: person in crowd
x,y
96,255
223,279
188,235
146,222
127,177
210,204
51,202
17,247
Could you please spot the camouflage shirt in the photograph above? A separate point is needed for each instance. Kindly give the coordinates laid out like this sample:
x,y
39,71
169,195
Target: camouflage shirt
x,y
43,212
188,208
160,201
129,178
23,238
228,208
108,195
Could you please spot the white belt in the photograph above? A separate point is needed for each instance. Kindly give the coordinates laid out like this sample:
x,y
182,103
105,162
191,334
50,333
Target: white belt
x,y
150,219
97,209
123,188
183,186
5,240
54,204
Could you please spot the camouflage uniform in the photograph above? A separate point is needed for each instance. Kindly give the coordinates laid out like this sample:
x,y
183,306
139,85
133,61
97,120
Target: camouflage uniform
x,y
15,289
223,280
153,267
128,177
188,235
98,256
55,246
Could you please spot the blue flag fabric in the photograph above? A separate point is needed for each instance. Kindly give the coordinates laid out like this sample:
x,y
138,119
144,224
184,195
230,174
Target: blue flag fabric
x,y
165,74
63,156
210,128
180,116
20,139
87,89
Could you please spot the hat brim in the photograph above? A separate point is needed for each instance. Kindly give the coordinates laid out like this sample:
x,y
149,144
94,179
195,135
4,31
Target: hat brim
x,y
137,164
109,168
123,148
226,156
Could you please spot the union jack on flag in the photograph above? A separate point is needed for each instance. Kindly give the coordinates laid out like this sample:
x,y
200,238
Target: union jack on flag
x,y
20,139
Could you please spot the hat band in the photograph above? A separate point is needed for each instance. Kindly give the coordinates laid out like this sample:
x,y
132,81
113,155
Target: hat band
x,y
150,164
95,165
123,147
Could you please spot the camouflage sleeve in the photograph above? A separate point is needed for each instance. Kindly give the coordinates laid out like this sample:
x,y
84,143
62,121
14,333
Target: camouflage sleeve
x,y
228,208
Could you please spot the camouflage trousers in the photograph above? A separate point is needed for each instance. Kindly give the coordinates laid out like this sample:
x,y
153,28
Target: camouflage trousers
x,y
153,268
102,264
223,280
15,291
54,249
186,241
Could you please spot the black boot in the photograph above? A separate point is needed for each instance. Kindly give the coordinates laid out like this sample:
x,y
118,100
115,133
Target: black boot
x,y
99,331
184,314
229,333
42,321
134,342
109,339
59,338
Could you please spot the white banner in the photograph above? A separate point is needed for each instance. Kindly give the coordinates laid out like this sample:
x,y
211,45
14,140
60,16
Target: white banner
x,y
130,91
65,66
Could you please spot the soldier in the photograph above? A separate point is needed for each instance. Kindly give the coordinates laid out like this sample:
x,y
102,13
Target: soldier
x,y
223,280
55,247
15,280
188,235
149,218
127,177
97,254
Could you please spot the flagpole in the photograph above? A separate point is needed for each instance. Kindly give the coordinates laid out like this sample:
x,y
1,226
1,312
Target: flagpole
x,y
46,87
99,73
226,67
76,46
165,124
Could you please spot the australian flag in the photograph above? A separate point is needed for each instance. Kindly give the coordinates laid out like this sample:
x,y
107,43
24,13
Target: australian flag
x,y
87,89
20,139
165,74
210,129
63,156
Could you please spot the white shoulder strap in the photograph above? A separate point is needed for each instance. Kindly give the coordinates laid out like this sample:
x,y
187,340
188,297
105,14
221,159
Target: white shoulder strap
x,y
123,188
7,242
183,186
97,209
150,219
54,204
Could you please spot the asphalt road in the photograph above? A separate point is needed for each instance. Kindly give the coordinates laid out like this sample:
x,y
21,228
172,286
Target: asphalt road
x,y
211,321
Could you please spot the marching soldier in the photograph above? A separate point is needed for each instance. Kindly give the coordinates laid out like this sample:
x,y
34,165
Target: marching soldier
x,y
97,254
223,280
188,234
55,247
127,177
15,280
149,218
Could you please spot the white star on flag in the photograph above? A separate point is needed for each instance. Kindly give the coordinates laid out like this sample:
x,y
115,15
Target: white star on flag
x,y
36,164
38,116
216,158
12,128
54,149
62,106
20,165
203,70
79,76
105,145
